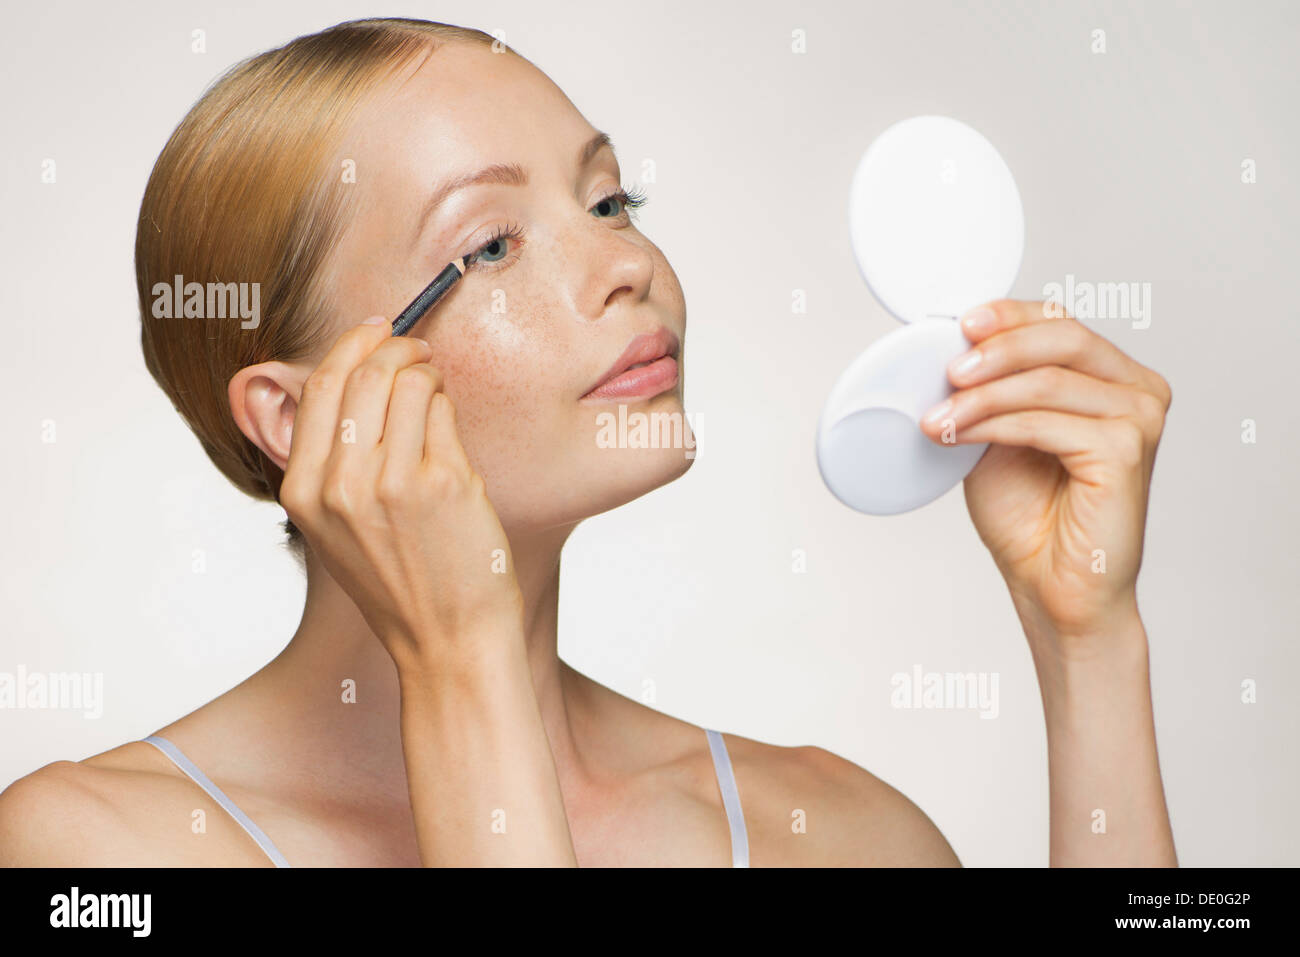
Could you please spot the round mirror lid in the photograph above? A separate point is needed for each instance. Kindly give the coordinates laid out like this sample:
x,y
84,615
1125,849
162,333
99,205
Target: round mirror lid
x,y
935,219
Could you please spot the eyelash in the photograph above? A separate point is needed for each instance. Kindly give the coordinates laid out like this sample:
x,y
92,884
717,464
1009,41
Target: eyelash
x,y
630,199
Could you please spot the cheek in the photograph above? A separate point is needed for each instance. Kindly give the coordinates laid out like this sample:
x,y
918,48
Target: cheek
x,y
510,375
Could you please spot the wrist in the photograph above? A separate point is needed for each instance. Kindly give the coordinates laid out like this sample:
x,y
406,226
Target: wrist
x,y
1116,630
1081,673
474,657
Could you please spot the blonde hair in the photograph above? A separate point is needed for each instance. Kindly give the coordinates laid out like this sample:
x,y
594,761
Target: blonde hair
x,y
249,189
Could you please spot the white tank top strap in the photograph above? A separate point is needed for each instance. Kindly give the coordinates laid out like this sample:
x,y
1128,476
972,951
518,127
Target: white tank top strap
x,y
198,777
730,799
717,747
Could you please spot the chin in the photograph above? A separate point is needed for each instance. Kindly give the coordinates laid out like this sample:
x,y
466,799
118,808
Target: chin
x,y
618,477
624,475
630,457
641,447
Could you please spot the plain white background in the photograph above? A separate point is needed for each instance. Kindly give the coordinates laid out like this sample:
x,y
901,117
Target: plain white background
x,y
1129,166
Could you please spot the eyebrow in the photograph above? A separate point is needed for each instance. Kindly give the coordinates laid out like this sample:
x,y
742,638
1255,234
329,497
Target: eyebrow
x,y
505,174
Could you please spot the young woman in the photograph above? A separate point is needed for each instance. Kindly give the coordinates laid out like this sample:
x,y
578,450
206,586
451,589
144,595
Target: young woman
x,y
432,480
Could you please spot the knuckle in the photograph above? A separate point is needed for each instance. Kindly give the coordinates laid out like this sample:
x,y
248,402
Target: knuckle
x,y
335,494
365,377
1030,425
441,480
1151,408
1050,382
1164,391
1078,339
403,349
390,488
290,487
1129,443
292,500
413,379
318,383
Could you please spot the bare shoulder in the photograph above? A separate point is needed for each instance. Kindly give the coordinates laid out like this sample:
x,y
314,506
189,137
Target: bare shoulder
x,y
803,806
120,808
808,807
60,815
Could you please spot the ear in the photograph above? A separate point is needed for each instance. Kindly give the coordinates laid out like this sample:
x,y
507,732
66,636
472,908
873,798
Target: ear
x,y
264,402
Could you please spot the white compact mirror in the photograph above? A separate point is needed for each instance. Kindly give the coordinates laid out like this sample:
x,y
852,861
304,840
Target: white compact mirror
x,y
937,228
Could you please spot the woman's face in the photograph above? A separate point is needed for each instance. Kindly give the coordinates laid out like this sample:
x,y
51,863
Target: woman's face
x,y
525,335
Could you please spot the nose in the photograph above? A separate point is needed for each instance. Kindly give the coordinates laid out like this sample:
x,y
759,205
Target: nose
x,y
614,269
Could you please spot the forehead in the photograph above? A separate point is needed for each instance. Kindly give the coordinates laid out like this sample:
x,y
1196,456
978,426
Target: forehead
x,y
463,107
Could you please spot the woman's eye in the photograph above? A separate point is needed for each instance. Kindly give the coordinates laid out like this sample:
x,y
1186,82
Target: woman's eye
x,y
497,248
620,202
493,251
609,206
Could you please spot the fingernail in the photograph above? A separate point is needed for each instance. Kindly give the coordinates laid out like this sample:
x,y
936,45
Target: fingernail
x,y
978,320
965,364
373,320
938,412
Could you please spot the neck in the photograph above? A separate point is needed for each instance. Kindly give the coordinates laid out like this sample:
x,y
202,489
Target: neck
x,y
333,645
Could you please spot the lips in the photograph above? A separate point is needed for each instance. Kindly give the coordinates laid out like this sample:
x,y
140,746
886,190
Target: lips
x,y
647,367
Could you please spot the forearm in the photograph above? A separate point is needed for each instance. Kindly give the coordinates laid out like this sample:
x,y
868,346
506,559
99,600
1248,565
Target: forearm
x,y
482,779
1107,799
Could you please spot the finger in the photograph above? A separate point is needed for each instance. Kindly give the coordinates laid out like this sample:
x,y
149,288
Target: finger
x,y
408,414
1078,441
1144,378
1046,387
1063,342
1002,315
369,388
441,440
316,418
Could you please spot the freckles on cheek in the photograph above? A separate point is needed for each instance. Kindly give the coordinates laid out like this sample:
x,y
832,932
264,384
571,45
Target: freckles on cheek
x,y
507,377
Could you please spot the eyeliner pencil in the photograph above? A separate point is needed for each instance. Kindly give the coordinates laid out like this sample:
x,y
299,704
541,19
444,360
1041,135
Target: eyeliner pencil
x,y
432,293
